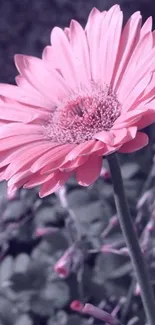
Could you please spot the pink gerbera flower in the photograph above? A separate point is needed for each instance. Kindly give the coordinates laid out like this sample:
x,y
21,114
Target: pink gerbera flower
x,y
89,96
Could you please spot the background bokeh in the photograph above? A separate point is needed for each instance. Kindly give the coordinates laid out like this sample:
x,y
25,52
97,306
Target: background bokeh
x,y
31,293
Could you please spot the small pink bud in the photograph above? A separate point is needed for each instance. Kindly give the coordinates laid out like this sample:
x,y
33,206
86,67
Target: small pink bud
x,y
110,249
44,231
143,199
76,305
114,221
61,271
150,225
40,232
105,173
106,248
69,262
63,265
124,251
137,290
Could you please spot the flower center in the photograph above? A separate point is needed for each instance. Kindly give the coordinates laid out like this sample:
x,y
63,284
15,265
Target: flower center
x,y
82,115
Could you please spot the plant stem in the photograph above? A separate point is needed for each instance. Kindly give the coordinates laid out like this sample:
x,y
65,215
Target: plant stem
x,y
100,314
132,240
128,301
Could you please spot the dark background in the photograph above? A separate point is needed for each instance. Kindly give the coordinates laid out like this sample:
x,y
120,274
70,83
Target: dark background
x,y
30,291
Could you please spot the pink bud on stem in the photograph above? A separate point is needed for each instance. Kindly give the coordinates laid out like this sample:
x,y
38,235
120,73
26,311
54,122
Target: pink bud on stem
x,y
100,314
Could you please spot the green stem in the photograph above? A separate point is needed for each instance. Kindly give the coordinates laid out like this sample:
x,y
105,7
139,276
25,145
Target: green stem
x,y
132,240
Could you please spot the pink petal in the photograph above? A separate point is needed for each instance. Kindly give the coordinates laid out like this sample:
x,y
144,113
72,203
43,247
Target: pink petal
x,y
52,157
112,25
19,179
93,17
125,124
86,149
90,171
145,68
148,93
135,93
26,160
93,32
17,114
54,183
147,27
120,135
51,62
140,141
80,149
124,135
36,180
153,34
18,140
30,67
143,46
56,163
128,41
48,58
146,119
105,137
20,112
12,129
129,118
97,146
80,49
23,96
71,165
132,131
64,56
23,83
67,32
107,150
8,156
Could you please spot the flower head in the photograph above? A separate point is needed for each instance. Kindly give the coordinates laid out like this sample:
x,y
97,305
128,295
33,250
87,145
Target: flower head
x,y
89,96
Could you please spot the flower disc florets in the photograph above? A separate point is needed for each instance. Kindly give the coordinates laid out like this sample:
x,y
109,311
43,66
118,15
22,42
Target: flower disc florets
x,y
83,114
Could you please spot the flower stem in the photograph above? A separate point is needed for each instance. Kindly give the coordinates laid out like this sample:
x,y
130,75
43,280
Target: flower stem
x,y
132,240
100,314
